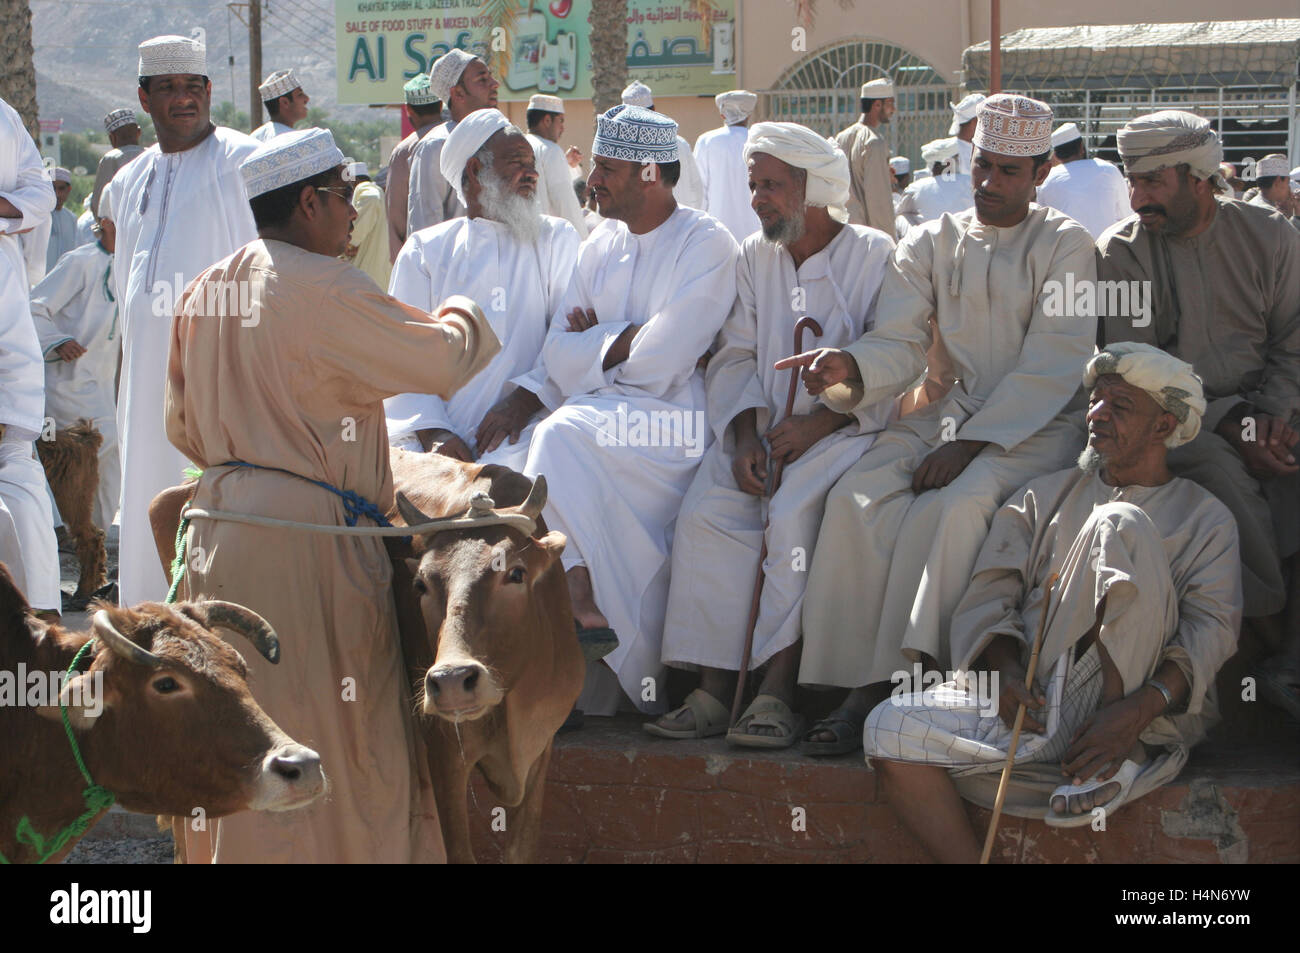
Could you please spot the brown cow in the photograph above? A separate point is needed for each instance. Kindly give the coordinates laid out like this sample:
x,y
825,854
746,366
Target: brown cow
x,y
488,633
161,711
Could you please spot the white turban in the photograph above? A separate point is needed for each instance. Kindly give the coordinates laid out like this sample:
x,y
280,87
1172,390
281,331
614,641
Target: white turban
x,y
465,140
446,72
736,105
1171,383
939,150
822,159
1169,138
638,94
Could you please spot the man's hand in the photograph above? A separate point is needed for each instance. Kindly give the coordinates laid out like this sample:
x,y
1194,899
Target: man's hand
x,y
942,466
1003,656
1099,747
447,444
1270,453
580,320
69,351
573,155
822,368
507,418
749,464
621,348
792,437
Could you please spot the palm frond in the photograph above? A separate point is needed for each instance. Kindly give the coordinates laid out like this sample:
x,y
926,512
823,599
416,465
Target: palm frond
x,y
706,10
502,15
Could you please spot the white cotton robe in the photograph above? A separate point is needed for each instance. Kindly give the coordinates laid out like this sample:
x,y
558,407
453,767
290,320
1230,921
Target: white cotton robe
x,y
720,527
1093,192
555,184
689,190
27,544
176,213
614,488
891,565
63,237
76,302
927,199
719,153
518,287
269,130
430,198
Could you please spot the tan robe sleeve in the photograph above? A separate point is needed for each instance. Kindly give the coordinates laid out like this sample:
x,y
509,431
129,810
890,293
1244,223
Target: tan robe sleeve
x,y
877,195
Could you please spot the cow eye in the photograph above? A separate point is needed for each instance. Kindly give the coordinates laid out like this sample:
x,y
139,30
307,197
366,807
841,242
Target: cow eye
x,y
419,585
516,574
165,685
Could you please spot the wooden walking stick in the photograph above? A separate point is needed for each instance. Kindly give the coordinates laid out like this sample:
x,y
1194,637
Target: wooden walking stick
x,y
1020,720
774,481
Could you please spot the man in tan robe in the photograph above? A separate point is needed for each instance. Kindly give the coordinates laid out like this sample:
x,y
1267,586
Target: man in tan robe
x,y
424,110
1143,615
871,195
903,526
281,357
1225,289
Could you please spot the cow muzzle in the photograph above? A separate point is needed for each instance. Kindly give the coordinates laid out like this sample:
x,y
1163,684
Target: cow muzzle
x,y
461,691
291,777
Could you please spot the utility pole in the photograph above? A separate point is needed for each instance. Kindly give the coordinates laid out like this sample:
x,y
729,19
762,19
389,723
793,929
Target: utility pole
x,y
255,62
995,47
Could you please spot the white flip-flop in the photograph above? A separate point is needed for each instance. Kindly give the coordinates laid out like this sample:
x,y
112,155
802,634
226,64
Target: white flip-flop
x,y
1124,777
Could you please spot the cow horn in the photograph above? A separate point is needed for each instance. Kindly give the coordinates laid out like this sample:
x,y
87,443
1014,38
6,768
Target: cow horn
x,y
410,512
246,622
120,644
532,507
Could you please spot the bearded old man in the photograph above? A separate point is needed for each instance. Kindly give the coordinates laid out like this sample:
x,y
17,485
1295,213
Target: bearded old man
x,y
720,155
808,261
464,83
903,526
27,543
279,398
651,289
178,208
516,264
870,196
1144,614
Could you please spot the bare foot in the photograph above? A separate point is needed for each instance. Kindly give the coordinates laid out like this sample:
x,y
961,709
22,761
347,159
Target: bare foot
x,y
1085,802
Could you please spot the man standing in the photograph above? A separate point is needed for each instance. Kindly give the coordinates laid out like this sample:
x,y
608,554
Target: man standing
x,y
368,246
903,526
1274,186
464,83
124,134
1224,280
27,543
689,190
75,312
424,112
545,119
870,201
963,127
178,208
1143,616
720,155
516,263
280,404
652,287
945,190
805,261
1090,191
63,224
285,103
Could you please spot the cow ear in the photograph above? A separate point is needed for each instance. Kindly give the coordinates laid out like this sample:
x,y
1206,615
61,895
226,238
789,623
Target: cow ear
x,y
85,699
552,544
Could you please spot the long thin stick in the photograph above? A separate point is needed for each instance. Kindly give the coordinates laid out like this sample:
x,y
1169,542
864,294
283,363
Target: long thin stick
x,y
807,322
1020,720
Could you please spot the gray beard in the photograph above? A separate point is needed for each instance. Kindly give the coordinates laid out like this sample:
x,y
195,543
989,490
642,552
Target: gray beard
x,y
521,217
1090,461
787,231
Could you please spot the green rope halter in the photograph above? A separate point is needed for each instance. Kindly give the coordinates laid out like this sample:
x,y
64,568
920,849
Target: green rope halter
x,y
97,798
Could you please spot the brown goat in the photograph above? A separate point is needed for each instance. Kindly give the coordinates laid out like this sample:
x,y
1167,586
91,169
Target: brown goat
x,y
71,462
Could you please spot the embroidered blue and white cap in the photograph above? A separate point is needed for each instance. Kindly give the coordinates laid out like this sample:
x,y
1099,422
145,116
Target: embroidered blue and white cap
x,y
119,118
280,83
173,56
418,92
635,134
289,158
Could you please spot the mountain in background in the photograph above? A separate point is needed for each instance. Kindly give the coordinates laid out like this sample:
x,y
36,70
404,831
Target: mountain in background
x,y
86,59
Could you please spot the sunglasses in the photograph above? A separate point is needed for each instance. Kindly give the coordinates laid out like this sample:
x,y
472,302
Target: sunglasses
x,y
344,194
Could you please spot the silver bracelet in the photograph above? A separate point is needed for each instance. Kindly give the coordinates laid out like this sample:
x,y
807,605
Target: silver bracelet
x,y
1163,690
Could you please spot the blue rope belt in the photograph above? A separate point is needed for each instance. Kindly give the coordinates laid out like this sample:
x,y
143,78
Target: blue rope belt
x,y
354,504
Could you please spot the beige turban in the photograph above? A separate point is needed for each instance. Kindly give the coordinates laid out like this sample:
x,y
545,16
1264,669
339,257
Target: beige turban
x,y
735,105
822,159
1171,383
466,139
1169,138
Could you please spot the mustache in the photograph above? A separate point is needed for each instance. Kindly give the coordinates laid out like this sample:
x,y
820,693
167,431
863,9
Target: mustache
x,y
1152,209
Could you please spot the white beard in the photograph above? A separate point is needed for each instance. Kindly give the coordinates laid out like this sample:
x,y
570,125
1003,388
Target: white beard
x,y
787,231
521,217
1090,460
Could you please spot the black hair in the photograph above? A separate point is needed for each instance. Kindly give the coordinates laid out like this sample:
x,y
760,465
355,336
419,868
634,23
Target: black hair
x,y
670,171
273,105
1266,182
580,190
1041,158
534,116
144,82
275,208
427,110
1069,150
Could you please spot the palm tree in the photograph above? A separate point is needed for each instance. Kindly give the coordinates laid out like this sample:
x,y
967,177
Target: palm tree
x,y
17,73
608,22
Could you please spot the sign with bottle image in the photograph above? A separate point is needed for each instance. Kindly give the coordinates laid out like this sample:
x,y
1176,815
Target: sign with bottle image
x,y
534,46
